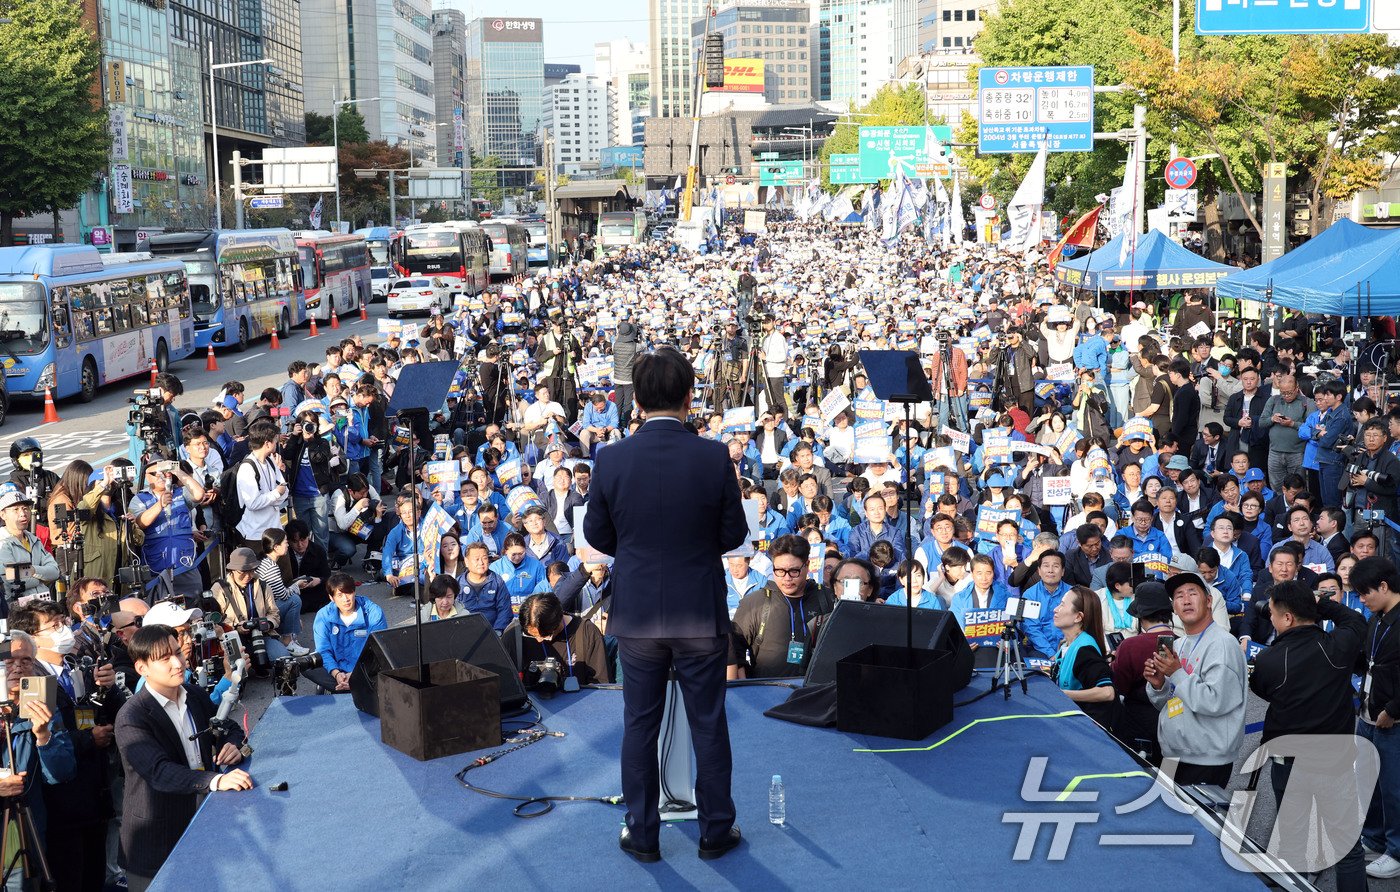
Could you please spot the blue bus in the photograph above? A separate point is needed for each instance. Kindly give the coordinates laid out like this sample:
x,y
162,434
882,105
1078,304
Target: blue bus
x,y
244,283
70,321
385,245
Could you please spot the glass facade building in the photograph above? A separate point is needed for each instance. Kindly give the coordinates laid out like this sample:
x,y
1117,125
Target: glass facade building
x,y
777,34
504,75
672,71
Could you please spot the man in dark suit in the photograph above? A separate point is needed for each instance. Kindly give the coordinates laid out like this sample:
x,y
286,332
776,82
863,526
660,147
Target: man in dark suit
x,y
166,772
308,559
1248,402
665,503
1330,523
1208,454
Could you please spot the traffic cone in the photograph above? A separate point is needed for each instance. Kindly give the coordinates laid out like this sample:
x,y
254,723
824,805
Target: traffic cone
x,y
335,319
313,328
50,413
364,312
276,344
210,363
154,371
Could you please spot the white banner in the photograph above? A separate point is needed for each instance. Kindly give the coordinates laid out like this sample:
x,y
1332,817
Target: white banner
x,y
116,120
122,194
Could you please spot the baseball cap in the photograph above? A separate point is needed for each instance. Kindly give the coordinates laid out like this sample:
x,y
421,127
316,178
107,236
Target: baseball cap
x,y
244,559
1173,583
1149,598
168,613
14,496
1252,475
1139,306
1182,563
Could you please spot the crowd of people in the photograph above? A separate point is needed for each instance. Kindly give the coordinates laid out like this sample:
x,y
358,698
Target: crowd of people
x,y
1191,507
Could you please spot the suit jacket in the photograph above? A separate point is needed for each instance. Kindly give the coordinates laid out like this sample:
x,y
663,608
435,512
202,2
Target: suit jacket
x,y
1240,439
1183,535
1337,546
550,501
313,563
1200,451
665,503
162,791
1186,413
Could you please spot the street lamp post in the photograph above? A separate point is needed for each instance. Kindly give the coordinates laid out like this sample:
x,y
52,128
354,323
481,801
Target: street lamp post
x,y
335,132
214,128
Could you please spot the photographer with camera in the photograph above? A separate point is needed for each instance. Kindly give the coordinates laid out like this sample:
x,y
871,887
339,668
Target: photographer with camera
x,y
245,603
342,630
165,512
167,773
29,568
314,468
29,473
554,650
261,489
80,518
204,463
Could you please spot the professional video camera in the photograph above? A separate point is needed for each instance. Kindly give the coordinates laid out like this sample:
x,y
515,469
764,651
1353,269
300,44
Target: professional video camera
x,y
287,670
944,336
147,417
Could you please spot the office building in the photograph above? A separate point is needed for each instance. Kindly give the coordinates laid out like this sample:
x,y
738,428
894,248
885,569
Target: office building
x,y
949,26
374,49
555,72
504,76
944,76
576,114
627,69
859,44
672,68
449,85
776,33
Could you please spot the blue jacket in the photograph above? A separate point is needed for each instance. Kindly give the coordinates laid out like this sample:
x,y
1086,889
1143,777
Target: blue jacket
x,y
1155,542
338,644
775,525
962,601
1322,449
1042,632
494,541
398,548
52,764
839,531
927,600
527,579
733,596
606,418
862,537
1229,585
555,550
1092,353
491,599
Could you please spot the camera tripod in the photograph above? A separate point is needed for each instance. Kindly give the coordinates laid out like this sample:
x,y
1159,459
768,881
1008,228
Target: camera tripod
x,y
1009,662
30,852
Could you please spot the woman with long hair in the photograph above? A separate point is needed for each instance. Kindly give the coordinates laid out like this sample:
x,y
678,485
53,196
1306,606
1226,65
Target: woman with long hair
x,y
286,597
88,505
1080,667
450,556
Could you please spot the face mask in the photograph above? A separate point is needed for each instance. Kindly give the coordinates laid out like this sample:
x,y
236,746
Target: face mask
x,y
26,460
62,641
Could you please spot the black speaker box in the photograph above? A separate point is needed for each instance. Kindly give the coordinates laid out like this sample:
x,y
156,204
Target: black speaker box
x,y
855,625
467,638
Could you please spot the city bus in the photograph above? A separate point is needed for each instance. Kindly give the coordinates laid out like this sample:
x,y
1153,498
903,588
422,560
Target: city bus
x,y
72,322
510,247
455,250
334,273
621,229
385,253
538,254
244,283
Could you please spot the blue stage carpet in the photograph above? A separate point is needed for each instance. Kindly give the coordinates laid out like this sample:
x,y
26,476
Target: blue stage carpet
x,y
361,816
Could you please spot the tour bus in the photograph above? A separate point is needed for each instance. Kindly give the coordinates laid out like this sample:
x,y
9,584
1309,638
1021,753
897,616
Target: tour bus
x,y
456,250
385,253
621,229
538,254
334,273
510,247
244,283
72,320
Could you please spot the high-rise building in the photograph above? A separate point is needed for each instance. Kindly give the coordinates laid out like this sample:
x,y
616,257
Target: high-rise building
x,y
555,72
949,26
374,49
449,85
672,67
627,69
576,113
859,43
505,91
775,31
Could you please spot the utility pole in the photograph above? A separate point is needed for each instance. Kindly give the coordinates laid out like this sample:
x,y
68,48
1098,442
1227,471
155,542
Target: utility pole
x,y
551,219
237,190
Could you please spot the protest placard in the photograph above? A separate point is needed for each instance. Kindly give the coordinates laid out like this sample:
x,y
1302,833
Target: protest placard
x,y
1056,491
444,477
988,518
996,451
869,410
960,441
739,418
983,626
1060,371
508,472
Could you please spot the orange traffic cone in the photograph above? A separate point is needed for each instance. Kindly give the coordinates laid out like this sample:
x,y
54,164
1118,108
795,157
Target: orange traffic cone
x,y
276,344
335,319
364,312
154,371
313,328
210,363
50,413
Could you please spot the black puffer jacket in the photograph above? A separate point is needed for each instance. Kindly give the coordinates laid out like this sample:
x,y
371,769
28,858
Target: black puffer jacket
x,y
624,352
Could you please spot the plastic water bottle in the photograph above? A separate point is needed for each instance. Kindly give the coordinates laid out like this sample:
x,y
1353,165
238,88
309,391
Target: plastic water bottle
x,y
777,801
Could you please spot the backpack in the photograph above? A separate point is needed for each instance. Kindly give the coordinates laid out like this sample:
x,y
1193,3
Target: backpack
x,y
228,508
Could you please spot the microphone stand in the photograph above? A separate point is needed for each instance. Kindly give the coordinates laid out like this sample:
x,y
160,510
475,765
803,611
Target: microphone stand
x,y
417,557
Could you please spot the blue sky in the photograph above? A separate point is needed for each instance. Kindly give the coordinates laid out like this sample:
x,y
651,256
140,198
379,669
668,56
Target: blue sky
x,y
571,27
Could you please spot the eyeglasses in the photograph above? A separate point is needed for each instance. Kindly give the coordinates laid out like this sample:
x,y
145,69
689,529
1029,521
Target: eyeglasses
x,y
134,624
789,572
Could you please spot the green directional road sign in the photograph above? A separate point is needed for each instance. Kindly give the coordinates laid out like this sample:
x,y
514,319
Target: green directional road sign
x,y
780,173
882,147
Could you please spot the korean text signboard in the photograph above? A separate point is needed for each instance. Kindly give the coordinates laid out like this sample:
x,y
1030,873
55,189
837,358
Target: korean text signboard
x,y
1018,108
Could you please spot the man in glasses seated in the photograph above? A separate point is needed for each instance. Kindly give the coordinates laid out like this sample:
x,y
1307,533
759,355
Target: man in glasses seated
x,y
775,628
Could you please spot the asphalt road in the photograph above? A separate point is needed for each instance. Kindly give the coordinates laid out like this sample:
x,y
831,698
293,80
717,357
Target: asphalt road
x,y
96,432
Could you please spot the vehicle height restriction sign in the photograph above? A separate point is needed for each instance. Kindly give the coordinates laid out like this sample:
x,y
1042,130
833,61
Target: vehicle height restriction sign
x,y
1019,108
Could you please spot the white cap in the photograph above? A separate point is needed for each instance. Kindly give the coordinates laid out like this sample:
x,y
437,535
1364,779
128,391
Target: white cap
x,y
167,613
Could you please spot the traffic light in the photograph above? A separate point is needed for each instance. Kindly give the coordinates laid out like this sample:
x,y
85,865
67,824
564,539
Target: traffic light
x,y
714,61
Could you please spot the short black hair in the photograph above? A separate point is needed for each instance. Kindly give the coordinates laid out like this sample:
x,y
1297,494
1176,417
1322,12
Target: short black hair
x,y
796,546
443,584
1297,598
542,612
1369,573
1087,533
661,380
154,642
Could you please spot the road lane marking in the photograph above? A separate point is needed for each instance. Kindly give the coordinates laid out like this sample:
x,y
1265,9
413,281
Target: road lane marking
x,y
254,356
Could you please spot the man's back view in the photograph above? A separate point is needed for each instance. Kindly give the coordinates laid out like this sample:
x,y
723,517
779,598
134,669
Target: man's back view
x,y
665,503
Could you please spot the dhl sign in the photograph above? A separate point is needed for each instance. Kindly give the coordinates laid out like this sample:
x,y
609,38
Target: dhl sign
x,y
742,76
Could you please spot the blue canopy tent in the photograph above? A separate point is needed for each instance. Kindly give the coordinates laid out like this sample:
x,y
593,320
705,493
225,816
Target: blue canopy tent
x,y
1158,264
1348,270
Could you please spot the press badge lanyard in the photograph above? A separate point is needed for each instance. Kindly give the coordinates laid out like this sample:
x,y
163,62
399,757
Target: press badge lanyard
x,y
797,647
568,653
1376,642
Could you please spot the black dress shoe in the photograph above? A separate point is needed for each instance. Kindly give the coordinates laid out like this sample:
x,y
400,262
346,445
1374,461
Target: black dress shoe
x,y
646,856
711,849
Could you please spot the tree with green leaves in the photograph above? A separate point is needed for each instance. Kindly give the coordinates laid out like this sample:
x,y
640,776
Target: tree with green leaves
x,y
893,105
486,178
320,132
53,131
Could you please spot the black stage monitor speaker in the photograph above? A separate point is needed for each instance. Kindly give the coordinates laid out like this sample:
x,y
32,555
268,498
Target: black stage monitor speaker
x,y
855,625
467,638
